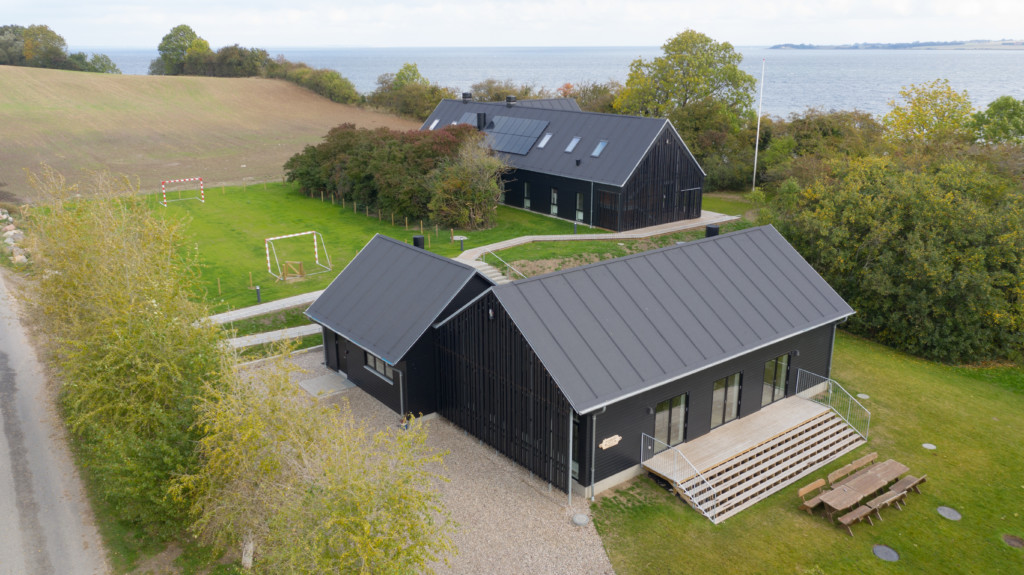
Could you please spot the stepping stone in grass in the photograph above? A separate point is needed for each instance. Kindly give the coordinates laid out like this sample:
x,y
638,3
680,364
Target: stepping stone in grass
x,y
885,553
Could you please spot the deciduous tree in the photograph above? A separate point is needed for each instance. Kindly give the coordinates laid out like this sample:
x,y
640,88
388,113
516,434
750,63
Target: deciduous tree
x,y
44,48
465,189
174,47
930,116
1002,121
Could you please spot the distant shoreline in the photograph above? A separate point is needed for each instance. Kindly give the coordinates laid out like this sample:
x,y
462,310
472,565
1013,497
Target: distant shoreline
x,y
966,45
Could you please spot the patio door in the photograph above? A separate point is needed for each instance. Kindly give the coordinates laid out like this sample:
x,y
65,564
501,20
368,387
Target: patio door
x,y
670,420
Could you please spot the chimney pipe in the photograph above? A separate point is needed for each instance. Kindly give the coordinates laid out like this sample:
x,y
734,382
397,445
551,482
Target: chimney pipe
x,y
417,241
509,100
711,230
466,97
481,120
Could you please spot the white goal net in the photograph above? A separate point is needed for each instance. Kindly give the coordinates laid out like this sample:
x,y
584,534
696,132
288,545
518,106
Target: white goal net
x,y
296,254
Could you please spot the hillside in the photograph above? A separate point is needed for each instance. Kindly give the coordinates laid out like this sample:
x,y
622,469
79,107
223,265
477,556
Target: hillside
x,y
226,130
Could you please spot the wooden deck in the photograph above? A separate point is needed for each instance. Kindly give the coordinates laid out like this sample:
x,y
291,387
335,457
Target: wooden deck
x,y
737,437
746,460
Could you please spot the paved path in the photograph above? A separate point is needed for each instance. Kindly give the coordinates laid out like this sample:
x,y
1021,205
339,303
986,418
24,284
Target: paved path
x,y
467,256
46,525
705,219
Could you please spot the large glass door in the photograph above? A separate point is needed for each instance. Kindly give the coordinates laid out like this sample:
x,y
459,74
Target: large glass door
x,y
776,374
670,421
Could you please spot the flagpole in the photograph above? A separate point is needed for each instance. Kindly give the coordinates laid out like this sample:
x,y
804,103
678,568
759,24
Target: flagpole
x,y
757,140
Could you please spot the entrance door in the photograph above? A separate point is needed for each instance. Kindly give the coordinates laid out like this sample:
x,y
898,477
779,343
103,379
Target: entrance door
x,y
341,349
670,421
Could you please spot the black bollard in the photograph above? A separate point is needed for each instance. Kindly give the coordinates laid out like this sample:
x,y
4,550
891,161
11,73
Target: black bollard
x,y
257,294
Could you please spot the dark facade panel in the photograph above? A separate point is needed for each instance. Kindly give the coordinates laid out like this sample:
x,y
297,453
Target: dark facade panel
x,y
494,386
630,418
667,186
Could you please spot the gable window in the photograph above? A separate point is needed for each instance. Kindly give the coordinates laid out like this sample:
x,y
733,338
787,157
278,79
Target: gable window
x,y
544,141
434,124
579,206
526,195
776,373
725,400
380,367
598,149
554,201
572,144
670,420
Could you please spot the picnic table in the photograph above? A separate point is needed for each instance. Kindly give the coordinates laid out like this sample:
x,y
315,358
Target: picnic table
x,y
855,488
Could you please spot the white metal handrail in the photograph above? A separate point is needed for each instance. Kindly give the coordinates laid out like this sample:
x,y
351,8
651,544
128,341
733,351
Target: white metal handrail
x,y
701,493
828,392
507,265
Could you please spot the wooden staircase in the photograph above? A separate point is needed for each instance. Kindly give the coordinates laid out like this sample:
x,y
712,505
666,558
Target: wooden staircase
x,y
752,475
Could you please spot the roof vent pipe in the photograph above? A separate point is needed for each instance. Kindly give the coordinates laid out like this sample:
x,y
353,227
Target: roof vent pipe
x,y
466,97
481,120
417,241
711,231
509,100
578,161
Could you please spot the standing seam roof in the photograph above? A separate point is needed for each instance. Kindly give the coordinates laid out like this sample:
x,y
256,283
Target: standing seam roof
x,y
615,328
388,295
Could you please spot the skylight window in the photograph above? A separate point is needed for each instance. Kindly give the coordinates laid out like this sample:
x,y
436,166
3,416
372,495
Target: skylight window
x,y
572,144
434,123
544,140
599,148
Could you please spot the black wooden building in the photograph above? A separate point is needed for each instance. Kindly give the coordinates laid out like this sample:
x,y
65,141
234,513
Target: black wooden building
x,y
672,343
377,317
607,170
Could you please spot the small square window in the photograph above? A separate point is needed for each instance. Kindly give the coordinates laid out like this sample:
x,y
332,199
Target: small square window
x,y
598,149
572,144
544,141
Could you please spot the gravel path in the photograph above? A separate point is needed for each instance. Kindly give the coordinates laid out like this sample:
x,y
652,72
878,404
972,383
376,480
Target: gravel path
x,y
508,522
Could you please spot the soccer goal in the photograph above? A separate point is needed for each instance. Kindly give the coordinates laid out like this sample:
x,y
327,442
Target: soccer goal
x,y
294,264
180,189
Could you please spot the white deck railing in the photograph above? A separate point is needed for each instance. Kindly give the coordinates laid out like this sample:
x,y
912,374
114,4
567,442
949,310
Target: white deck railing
x,y
673,465
829,393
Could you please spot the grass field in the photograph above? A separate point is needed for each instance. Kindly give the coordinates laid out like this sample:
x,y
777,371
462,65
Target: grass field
x,y
228,232
974,416
543,257
226,130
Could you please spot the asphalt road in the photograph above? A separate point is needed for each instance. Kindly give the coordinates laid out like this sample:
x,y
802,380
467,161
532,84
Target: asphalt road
x,y
46,526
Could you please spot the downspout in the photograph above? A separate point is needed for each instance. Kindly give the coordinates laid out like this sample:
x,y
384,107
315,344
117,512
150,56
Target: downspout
x,y
568,463
401,396
593,449
591,204
832,350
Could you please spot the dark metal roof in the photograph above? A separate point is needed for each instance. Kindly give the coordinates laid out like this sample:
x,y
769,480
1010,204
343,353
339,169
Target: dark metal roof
x,y
613,329
628,138
568,104
388,295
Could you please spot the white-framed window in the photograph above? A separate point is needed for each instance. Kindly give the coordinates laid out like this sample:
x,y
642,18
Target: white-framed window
x,y
544,141
572,144
554,201
579,206
526,195
380,367
598,149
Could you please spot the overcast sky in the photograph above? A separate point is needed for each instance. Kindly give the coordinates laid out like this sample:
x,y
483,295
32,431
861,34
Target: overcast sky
x,y
404,23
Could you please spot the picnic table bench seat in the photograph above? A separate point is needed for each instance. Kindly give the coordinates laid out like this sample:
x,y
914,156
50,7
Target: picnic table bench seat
x,y
856,516
885,500
909,483
809,504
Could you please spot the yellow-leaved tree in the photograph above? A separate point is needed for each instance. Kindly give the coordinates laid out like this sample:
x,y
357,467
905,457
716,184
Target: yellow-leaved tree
x,y
931,115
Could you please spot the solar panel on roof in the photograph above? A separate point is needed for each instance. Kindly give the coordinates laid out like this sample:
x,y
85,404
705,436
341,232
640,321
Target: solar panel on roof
x,y
514,135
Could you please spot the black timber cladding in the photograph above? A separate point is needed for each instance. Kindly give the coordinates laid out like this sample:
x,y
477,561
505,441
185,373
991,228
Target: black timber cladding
x,y
389,295
614,329
493,385
628,139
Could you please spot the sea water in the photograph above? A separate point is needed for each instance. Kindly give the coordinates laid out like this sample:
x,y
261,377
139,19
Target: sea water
x,y
795,80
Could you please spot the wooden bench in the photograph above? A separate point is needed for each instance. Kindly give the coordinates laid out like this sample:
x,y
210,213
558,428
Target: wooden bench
x,y
865,461
838,474
810,504
909,483
856,516
885,500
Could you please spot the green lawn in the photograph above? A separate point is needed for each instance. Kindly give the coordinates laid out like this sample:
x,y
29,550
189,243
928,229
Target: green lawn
x,y
974,416
561,255
731,204
228,232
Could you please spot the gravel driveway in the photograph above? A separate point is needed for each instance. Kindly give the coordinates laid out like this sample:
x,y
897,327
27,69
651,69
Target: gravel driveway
x,y
508,522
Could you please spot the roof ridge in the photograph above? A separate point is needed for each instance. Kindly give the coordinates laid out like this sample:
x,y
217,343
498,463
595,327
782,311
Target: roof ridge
x,y
425,251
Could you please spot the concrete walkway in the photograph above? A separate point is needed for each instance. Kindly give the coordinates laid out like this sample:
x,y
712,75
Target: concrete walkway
x,y
468,256
705,219
272,336
265,308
